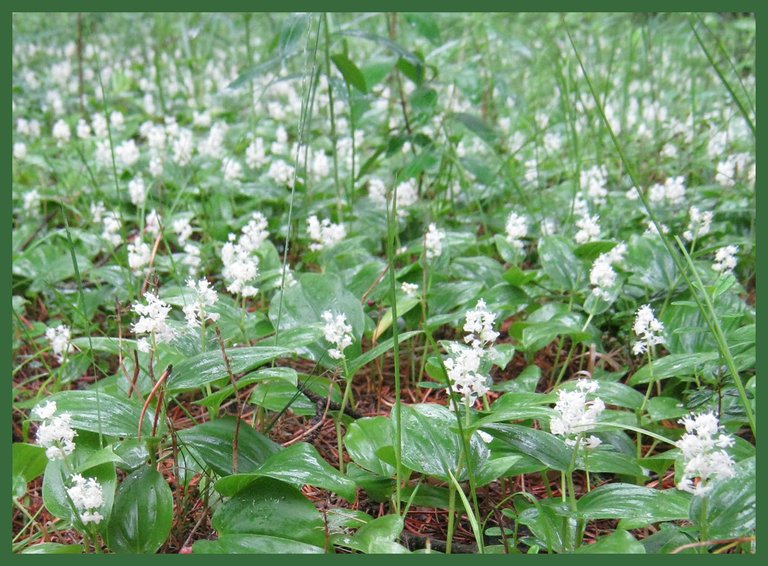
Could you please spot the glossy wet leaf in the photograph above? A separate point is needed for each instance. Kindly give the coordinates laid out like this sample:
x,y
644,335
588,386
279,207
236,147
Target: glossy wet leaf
x,y
545,447
53,548
28,462
142,514
618,542
623,501
253,544
364,439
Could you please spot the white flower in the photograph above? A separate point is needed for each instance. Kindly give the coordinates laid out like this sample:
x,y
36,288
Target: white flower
x,y
192,257
589,229
97,210
55,433
410,289
653,231
671,192
116,120
99,123
479,323
87,496
152,222
254,233
648,329
61,132
281,173
111,232
575,413
205,296
183,146
338,333
19,151
83,129
232,170
594,180
407,195
127,154
183,230
324,234
152,318
463,369
255,155
703,448
285,272
31,201
433,241
213,145
725,259
59,338
44,412
632,194
137,191
517,229
602,276
699,224
139,256
240,267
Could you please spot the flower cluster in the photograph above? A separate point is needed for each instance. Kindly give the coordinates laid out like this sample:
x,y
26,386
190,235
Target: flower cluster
x,y
517,229
602,276
593,180
87,497
338,333
703,447
576,414
648,329
240,268
410,289
725,259
589,229
59,337
464,364
433,241
55,433
205,296
153,321
324,234
699,225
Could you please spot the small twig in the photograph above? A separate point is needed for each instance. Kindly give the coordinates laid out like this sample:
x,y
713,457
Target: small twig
x,y
152,259
157,386
373,285
317,421
135,373
711,542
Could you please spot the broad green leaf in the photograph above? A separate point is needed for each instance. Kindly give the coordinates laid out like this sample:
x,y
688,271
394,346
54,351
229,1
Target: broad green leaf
x,y
613,393
618,542
476,125
253,544
29,461
199,370
404,305
732,504
103,413
426,25
213,441
430,446
273,508
673,365
623,501
666,408
560,263
142,514
538,335
352,75
609,462
545,447
299,465
377,536
365,438
53,548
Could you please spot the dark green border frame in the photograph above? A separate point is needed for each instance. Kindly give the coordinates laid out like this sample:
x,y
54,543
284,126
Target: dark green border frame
x,y
356,6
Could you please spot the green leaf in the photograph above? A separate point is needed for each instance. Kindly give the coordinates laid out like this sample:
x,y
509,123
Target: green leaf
x,y
538,335
365,438
618,542
377,536
429,446
142,515
102,413
103,456
425,25
665,408
545,447
29,462
352,75
673,365
199,370
253,544
613,393
53,548
732,504
559,263
273,508
383,41
627,501
358,363
299,465
517,277
213,441
54,487
475,125
519,406
609,462
304,303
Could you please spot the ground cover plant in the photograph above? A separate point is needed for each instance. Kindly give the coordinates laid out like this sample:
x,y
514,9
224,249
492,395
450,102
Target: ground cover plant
x,y
383,283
